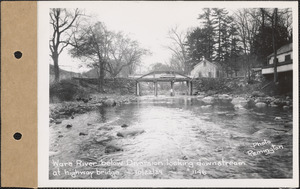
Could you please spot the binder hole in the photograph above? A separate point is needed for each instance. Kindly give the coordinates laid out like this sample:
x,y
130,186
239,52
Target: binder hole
x,y
17,136
18,54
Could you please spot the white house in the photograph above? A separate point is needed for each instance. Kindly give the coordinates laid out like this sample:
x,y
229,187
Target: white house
x,y
206,68
285,60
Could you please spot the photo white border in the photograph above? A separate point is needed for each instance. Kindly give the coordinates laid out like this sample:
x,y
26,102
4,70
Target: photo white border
x,y
43,104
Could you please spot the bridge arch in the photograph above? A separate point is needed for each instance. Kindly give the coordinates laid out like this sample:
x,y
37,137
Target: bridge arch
x,y
164,76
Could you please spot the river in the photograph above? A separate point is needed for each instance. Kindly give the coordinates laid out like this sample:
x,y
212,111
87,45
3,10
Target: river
x,y
173,138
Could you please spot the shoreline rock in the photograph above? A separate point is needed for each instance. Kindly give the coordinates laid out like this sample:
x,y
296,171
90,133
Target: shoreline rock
x,y
68,110
110,148
260,105
127,133
208,99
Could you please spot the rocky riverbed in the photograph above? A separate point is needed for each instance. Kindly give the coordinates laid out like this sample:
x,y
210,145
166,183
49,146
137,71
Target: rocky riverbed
x,y
257,99
210,126
65,110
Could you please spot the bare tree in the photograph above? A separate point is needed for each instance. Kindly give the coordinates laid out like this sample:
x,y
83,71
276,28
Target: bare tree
x,y
248,24
92,45
274,21
124,53
178,46
61,21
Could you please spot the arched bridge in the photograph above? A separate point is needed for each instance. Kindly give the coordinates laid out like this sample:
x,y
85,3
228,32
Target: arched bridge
x,y
164,76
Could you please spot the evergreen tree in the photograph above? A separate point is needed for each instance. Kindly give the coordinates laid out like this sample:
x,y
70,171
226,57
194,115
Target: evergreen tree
x,y
208,32
262,44
220,23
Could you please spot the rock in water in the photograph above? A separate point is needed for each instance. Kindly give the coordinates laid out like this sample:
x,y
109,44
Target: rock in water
x,y
222,113
207,106
260,104
288,124
224,98
258,94
285,107
124,125
58,121
51,153
110,102
106,128
261,99
239,102
102,139
69,126
239,106
208,99
127,133
120,134
82,134
272,104
110,148
277,119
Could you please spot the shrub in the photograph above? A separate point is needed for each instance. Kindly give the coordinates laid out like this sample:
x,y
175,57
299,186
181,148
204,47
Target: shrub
x,y
211,84
65,90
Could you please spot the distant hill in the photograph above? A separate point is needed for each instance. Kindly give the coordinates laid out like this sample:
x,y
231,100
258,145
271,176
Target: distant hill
x,y
63,74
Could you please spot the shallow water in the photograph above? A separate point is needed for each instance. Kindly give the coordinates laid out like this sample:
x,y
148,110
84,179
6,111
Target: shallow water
x,y
182,138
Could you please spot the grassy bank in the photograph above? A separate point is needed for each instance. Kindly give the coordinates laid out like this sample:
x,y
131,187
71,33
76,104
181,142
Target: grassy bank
x,y
71,97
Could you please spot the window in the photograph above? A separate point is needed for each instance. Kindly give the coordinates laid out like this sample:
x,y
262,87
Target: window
x,y
209,74
199,74
287,57
218,73
272,60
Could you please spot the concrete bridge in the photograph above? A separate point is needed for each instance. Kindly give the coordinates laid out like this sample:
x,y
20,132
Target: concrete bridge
x,y
164,76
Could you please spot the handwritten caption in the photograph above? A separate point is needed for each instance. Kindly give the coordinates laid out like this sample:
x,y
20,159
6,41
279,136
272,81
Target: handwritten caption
x,y
268,148
80,168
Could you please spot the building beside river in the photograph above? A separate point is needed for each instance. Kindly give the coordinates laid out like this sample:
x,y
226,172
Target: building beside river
x,y
284,61
284,68
208,69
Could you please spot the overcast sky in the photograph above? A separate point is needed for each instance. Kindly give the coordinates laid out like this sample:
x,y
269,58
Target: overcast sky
x,y
147,23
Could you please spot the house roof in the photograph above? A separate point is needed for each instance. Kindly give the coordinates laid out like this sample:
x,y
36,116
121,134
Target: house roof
x,y
202,61
283,49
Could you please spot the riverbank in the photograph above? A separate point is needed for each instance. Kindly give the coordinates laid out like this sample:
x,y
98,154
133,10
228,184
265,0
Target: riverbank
x,y
69,109
236,92
255,99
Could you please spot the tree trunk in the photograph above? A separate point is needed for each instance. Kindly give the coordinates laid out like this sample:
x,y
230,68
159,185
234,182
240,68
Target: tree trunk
x,y
219,50
56,68
249,68
274,28
101,77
